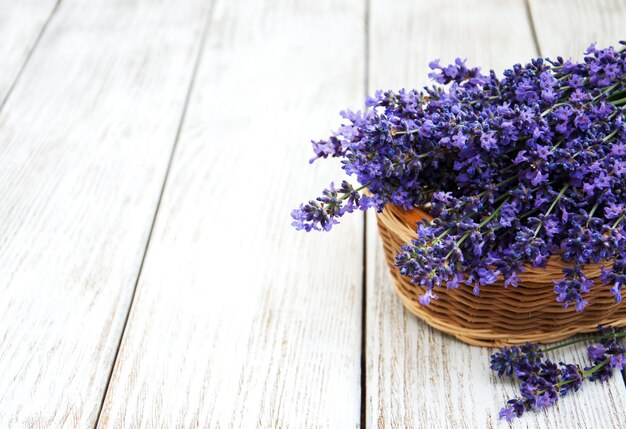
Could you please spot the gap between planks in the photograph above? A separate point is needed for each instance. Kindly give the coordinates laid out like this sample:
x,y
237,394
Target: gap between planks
x,y
294,350
26,60
79,196
366,84
533,29
181,122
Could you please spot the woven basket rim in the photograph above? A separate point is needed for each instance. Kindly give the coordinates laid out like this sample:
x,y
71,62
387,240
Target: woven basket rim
x,y
498,316
554,261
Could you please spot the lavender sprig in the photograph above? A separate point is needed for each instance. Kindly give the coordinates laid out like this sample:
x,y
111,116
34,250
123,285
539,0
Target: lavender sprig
x,y
543,382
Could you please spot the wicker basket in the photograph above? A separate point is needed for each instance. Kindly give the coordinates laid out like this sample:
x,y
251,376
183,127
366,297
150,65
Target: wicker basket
x,y
498,316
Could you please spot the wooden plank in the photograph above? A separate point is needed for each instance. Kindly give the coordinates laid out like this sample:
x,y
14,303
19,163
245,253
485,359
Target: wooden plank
x,y
21,24
417,376
240,321
568,27
85,138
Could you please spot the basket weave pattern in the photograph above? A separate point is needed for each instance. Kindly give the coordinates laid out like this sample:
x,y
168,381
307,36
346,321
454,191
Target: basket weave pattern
x,y
498,316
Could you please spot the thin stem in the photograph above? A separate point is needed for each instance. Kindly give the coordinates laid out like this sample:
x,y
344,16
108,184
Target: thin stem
x,y
394,132
592,370
584,340
593,210
554,106
504,182
619,102
347,194
493,97
616,94
483,223
458,243
584,375
604,91
556,145
494,214
558,197
522,216
497,185
608,136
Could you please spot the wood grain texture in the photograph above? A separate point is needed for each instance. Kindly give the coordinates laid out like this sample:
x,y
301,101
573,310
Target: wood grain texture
x,y
416,376
568,27
85,140
239,320
21,24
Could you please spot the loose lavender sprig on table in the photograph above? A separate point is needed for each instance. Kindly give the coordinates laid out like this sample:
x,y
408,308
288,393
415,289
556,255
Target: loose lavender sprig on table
x,y
543,382
514,170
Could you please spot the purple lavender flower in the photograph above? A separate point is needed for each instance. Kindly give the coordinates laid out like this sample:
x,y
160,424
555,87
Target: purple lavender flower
x,y
572,378
596,352
547,399
617,361
515,170
542,382
508,413
522,361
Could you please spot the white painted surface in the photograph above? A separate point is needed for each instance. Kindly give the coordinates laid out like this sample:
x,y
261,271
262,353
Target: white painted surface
x,y
21,24
239,320
568,27
84,141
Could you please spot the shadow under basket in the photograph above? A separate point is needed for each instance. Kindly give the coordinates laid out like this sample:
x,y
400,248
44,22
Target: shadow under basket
x,y
498,316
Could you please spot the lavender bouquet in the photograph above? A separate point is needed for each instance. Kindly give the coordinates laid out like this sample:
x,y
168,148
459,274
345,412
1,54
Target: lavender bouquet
x,y
513,170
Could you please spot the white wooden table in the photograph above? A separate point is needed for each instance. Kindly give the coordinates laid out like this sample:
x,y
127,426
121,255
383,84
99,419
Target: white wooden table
x,y
150,154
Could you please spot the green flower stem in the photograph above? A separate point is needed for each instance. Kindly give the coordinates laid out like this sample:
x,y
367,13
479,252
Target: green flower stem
x,y
584,340
483,223
585,374
604,91
620,102
556,145
617,94
497,185
493,97
495,213
593,210
482,194
558,197
590,370
501,197
608,136
347,194
522,216
554,106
